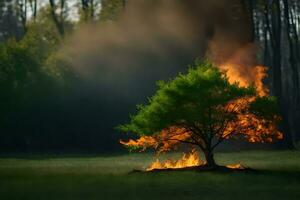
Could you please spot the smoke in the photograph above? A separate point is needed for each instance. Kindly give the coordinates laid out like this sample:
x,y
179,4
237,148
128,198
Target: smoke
x,y
154,40
119,62
231,49
241,65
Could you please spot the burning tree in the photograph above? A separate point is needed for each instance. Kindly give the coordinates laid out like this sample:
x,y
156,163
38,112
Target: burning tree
x,y
203,108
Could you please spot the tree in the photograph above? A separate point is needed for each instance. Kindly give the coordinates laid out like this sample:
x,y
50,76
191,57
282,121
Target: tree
x,y
111,9
10,24
202,108
89,9
58,12
275,25
33,7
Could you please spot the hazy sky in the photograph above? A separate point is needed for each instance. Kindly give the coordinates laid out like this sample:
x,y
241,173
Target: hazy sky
x,y
71,5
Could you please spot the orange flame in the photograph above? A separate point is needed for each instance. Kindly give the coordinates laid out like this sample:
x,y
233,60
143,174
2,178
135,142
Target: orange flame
x,y
245,78
165,140
253,128
236,166
143,143
188,160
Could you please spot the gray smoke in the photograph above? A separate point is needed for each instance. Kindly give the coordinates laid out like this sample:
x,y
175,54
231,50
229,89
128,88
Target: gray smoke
x,y
155,40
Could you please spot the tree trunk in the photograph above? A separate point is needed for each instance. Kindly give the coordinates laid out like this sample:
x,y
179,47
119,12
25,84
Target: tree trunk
x,y
58,23
248,7
209,156
276,41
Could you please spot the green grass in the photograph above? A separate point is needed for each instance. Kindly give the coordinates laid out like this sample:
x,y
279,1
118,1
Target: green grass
x,y
106,177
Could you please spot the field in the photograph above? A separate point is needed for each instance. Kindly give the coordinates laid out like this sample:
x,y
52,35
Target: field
x,y
106,177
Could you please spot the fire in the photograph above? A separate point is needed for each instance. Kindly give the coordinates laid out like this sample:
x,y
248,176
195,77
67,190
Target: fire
x,y
264,130
163,141
191,159
188,160
247,76
143,143
241,67
252,127
236,166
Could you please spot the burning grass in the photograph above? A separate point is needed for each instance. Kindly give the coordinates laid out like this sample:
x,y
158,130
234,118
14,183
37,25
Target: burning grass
x,y
190,162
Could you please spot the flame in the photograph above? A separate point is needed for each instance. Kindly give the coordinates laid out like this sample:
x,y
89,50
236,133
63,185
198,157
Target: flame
x,y
188,160
246,77
241,66
143,143
191,159
253,128
236,166
166,140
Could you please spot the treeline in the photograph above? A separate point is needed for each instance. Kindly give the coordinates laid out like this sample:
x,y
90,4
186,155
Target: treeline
x,y
17,16
42,104
276,30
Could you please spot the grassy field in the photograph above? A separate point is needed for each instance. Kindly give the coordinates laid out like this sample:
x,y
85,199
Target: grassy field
x,y
106,177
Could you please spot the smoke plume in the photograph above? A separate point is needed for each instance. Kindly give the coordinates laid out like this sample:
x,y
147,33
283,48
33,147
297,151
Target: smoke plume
x,y
155,40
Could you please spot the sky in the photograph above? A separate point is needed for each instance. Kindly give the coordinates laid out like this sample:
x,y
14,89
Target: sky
x,y
71,5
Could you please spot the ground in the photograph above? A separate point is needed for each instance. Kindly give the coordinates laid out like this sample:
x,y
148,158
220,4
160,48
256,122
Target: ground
x,y
106,177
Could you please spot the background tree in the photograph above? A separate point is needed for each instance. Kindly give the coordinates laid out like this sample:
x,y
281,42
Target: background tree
x,y
10,25
89,9
40,93
202,108
111,9
58,13
276,27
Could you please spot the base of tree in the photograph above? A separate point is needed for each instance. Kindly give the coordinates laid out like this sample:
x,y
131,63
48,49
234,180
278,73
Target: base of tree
x,y
203,168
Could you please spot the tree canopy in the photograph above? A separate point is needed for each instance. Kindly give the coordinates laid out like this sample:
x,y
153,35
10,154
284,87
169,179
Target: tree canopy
x,y
202,108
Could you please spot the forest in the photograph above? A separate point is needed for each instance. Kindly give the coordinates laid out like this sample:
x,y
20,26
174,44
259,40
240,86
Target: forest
x,y
149,99
72,70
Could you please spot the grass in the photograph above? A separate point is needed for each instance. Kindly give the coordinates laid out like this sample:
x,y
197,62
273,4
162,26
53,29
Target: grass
x,y
105,178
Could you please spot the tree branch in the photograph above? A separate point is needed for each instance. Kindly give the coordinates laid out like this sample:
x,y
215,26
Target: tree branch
x,y
183,141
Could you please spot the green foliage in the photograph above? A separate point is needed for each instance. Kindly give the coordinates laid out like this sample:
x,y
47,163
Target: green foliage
x,y
22,62
59,68
25,75
37,50
188,99
18,65
111,9
34,82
